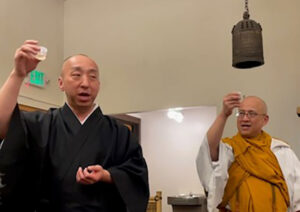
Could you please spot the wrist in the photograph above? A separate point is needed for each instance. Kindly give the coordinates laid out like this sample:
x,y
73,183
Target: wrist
x,y
224,115
17,75
107,177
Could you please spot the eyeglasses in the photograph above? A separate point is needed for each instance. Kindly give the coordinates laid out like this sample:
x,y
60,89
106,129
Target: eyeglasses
x,y
250,114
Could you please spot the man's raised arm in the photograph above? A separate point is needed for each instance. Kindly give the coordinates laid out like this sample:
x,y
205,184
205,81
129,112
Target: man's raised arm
x,y
214,134
24,63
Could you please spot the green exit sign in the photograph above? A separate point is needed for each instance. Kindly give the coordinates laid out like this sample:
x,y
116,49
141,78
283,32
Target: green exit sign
x,y
37,78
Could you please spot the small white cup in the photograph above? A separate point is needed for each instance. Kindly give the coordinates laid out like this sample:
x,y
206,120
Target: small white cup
x,y
241,97
41,55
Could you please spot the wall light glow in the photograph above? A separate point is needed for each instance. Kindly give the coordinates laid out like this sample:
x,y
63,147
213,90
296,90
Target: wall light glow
x,y
175,114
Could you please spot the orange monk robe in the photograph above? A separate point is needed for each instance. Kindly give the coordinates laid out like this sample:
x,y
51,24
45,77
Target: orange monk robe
x,y
256,182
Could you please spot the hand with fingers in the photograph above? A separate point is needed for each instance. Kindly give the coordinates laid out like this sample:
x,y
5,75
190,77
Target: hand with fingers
x,y
231,101
92,174
25,60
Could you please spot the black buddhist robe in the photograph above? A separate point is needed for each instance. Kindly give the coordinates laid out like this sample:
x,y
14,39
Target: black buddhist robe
x,y
41,154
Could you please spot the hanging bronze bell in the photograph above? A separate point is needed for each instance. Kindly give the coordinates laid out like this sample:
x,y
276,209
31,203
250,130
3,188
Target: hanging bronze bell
x,y
247,47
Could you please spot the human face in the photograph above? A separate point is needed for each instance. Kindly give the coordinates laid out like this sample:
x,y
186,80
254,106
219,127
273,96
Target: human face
x,y
80,81
250,126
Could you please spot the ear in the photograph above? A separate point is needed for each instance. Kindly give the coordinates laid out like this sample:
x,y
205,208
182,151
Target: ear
x,y
266,119
61,83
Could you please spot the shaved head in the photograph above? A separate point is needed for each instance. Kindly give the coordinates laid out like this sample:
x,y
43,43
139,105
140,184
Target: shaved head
x,y
71,59
261,104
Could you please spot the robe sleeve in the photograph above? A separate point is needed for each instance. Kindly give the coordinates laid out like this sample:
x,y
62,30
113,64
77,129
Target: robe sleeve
x,y
213,174
17,188
21,158
290,166
296,195
131,174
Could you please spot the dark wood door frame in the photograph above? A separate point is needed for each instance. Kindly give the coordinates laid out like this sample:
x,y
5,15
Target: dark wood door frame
x,y
133,123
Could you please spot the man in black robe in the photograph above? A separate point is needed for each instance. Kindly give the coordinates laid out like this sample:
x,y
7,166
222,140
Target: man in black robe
x,y
72,158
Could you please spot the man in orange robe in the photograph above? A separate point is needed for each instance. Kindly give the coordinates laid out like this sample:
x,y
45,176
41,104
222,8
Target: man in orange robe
x,y
250,171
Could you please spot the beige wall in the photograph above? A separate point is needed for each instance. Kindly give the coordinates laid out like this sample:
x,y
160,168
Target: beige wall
x,y
33,19
160,54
